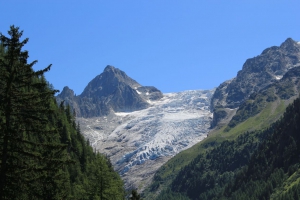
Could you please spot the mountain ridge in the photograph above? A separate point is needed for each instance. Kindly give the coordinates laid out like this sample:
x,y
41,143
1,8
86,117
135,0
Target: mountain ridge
x,y
257,73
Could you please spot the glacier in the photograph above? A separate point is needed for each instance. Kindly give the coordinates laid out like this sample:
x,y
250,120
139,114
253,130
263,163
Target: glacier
x,y
139,142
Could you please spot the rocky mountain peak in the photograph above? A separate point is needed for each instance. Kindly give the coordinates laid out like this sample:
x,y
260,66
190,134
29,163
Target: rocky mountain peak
x,y
112,69
289,45
109,67
67,93
112,72
107,82
110,91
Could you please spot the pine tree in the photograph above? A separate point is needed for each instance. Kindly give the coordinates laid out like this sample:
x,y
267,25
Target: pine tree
x,y
135,195
32,159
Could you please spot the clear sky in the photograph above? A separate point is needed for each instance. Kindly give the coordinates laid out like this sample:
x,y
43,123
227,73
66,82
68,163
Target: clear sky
x,y
174,45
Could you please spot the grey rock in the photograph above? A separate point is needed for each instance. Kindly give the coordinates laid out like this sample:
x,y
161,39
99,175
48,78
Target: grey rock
x,y
257,73
150,93
111,91
283,90
67,95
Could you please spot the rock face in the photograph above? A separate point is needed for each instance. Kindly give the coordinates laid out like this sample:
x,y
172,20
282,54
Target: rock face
x,y
111,91
281,91
257,73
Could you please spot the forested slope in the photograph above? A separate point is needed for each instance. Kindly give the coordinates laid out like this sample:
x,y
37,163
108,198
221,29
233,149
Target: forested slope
x,y
255,114
274,162
43,155
257,165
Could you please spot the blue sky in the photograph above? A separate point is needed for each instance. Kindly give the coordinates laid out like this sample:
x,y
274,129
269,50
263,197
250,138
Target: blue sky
x,y
174,45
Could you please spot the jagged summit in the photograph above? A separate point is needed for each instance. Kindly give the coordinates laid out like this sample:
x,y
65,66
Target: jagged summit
x,y
107,82
110,91
290,45
109,67
119,74
67,92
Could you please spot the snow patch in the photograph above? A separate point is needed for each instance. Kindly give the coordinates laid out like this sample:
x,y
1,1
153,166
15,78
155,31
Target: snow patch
x,y
122,114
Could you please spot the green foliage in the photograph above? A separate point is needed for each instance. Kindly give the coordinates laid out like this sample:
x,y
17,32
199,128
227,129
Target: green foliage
x,y
169,194
208,173
43,155
275,160
256,165
291,193
91,174
32,157
135,195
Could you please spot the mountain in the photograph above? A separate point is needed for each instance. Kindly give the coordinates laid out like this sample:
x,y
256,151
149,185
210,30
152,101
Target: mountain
x,y
206,161
155,140
203,170
111,91
257,73
138,127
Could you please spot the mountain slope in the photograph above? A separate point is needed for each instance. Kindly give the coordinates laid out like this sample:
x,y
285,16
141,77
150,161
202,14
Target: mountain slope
x,y
253,166
141,141
262,109
220,161
168,172
274,163
284,90
257,73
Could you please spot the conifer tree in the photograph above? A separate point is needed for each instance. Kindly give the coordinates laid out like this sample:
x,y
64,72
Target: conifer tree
x,y
43,154
32,159
135,195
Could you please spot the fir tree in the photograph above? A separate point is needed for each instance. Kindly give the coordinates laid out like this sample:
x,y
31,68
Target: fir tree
x,y
135,195
32,159
43,154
